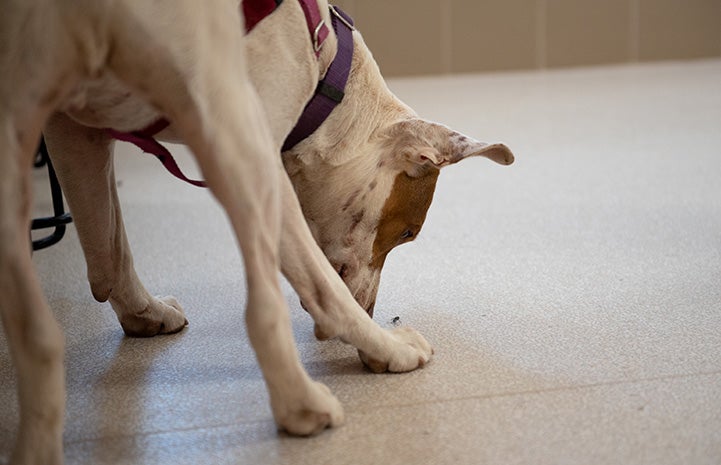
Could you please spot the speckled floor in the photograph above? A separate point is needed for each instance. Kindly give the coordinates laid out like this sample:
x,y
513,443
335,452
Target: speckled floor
x,y
573,299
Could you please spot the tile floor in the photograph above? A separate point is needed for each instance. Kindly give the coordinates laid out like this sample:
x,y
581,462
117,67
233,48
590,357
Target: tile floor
x,y
573,299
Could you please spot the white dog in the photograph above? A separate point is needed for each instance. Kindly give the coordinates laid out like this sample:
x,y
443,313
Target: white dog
x,y
365,177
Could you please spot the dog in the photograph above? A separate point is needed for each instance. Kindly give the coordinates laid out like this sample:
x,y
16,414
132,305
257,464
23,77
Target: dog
x,y
325,211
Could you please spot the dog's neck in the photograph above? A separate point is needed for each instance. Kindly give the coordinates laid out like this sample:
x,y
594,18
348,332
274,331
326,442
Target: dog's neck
x,y
367,109
277,55
345,165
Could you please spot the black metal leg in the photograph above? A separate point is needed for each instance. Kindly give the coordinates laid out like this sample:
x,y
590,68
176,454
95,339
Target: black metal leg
x,y
61,217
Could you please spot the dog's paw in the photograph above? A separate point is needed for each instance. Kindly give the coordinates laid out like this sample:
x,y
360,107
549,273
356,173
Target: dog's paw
x,y
161,316
408,351
309,413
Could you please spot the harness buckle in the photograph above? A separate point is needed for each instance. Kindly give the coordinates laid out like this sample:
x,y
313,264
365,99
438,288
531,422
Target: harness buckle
x,y
343,19
317,43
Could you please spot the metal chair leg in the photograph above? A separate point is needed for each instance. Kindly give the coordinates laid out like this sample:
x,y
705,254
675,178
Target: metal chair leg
x,y
61,218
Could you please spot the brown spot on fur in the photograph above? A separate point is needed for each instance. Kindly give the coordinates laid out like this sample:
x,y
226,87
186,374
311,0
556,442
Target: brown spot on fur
x,y
372,185
357,218
350,200
405,209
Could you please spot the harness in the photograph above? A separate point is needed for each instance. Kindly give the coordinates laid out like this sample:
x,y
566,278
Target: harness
x,y
328,94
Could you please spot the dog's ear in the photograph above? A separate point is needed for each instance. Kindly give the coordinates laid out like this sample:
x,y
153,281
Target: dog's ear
x,y
431,144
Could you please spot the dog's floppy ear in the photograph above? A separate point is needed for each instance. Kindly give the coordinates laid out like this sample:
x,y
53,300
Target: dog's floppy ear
x,y
431,144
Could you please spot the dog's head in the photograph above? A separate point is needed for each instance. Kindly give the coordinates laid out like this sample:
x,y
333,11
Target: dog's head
x,y
365,179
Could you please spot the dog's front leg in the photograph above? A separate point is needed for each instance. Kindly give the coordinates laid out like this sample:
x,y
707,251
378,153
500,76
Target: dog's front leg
x,y
333,308
35,340
83,159
200,81
191,65
247,186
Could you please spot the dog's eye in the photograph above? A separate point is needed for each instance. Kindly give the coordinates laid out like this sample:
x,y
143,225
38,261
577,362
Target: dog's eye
x,y
407,234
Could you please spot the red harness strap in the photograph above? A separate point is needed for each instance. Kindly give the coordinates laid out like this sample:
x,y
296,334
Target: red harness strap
x,y
145,140
254,11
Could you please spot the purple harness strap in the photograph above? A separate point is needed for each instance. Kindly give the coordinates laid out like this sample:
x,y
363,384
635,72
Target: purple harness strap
x,y
330,90
328,94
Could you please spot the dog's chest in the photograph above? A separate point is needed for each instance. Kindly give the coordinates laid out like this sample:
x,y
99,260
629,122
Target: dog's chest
x,y
107,103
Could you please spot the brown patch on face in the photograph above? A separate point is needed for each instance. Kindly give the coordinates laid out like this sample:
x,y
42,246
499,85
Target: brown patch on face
x,y
404,210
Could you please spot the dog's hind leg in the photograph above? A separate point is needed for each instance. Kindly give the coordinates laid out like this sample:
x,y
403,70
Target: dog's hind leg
x,y
333,308
83,159
200,81
35,340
